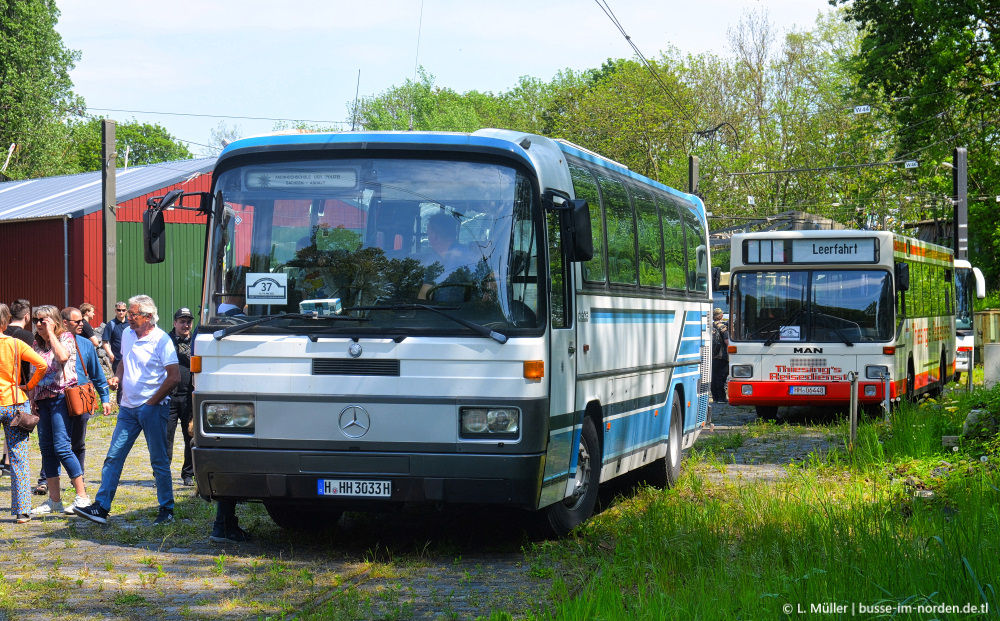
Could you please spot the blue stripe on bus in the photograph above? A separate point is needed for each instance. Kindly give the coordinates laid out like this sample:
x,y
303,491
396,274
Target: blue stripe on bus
x,y
630,316
692,329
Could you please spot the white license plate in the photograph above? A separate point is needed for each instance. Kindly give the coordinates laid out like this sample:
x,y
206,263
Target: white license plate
x,y
353,487
808,390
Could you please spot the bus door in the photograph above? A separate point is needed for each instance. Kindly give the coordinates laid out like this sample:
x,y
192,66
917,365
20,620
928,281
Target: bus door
x,y
560,372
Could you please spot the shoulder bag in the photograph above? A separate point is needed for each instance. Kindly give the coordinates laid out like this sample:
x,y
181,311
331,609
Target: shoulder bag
x,y
26,418
82,398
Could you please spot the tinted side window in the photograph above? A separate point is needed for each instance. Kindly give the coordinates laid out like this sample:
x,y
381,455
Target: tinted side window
x,y
621,232
650,239
675,264
557,271
585,187
697,250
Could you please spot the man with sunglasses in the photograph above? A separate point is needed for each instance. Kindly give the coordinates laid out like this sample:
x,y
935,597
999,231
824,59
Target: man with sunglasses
x,y
146,377
111,340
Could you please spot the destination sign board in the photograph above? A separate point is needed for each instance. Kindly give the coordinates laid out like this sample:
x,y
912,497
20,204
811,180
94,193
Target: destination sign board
x,y
811,250
835,250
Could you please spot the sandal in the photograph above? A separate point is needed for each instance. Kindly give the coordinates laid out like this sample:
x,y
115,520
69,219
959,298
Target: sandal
x,y
23,518
42,489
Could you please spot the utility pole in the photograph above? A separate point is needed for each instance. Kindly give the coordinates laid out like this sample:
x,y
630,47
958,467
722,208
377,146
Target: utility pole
x,y
692,174
109,235
960,198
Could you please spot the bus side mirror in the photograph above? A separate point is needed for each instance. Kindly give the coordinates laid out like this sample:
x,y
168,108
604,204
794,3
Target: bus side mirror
x,y
716,278
154,236
577,232
902,276
980,283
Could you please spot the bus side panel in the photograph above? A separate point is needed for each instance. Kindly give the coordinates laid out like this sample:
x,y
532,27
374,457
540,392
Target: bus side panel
x,y
623,345
694,378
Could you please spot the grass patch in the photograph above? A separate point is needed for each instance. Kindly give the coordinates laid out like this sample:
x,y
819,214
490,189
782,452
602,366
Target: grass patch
x,y
898,521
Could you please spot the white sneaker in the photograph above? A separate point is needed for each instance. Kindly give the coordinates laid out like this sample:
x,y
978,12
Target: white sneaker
x,y
47,507
79,501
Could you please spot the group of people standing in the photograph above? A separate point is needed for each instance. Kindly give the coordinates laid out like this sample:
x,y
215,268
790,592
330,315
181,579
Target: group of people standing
x,y
153,394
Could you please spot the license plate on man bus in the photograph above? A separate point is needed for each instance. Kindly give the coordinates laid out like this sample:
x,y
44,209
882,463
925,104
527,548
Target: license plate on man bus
x,y
808,390
353,487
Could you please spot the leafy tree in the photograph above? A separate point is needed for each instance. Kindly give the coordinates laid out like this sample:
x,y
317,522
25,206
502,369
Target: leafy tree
x,y
144,143
418,106
35,88
936,68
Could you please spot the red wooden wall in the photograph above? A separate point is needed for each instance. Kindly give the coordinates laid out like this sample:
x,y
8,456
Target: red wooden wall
x,y
32,253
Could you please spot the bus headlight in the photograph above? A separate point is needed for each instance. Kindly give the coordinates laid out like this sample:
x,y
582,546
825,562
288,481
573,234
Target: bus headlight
x,y
490,422
229,417
742,370
877,371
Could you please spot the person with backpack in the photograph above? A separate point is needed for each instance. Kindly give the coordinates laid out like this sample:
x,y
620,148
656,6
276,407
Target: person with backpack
x,y
720,357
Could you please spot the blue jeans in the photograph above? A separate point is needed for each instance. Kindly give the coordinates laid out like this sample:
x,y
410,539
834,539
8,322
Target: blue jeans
x,y
151,420
53,438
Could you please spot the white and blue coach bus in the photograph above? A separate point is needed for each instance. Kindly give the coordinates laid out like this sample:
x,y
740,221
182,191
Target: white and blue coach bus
x,y
492,317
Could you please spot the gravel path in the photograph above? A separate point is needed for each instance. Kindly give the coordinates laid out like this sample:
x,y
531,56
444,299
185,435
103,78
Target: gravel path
x,y
764,457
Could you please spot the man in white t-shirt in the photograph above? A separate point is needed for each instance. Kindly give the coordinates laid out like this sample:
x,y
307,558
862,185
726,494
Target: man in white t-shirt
x,y
146,376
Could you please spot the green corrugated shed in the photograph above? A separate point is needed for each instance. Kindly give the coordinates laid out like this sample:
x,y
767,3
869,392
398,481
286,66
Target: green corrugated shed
x,y
174,283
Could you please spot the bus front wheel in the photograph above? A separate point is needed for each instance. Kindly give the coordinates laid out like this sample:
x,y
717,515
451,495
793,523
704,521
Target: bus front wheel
x,y
301,517
562,517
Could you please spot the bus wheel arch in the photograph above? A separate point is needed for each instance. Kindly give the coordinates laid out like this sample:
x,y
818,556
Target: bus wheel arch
x,y
558,519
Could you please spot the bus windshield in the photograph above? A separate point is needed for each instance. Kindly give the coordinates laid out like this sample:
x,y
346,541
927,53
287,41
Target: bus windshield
x,y
376,239
845,306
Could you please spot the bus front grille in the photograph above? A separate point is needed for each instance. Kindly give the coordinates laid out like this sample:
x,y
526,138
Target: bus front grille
x,y
329,366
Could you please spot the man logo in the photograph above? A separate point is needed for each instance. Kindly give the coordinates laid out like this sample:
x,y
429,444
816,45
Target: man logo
x,y
808,350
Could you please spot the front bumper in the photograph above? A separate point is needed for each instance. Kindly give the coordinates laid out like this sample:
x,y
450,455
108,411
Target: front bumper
x,y
780,393
292,476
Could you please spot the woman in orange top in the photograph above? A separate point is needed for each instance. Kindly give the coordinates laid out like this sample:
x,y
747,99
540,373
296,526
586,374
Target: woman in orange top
x,y
13,399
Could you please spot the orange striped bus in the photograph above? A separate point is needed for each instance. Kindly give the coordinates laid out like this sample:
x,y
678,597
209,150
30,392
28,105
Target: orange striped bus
x,y
809,308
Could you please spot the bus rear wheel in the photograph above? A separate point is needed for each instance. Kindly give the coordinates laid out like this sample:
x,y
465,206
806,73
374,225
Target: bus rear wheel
x,y
558,519
301,517
666,472
911,383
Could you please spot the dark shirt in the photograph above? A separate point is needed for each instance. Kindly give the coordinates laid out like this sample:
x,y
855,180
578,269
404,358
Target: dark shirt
x,y
88,331
113,331
27,337
720,340
184,348
87,359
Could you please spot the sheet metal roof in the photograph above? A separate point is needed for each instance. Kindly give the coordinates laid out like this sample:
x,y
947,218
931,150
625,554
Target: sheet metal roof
x,y
78,195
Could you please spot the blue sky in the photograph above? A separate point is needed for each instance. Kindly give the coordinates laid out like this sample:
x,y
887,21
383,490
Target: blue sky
x,y
300,59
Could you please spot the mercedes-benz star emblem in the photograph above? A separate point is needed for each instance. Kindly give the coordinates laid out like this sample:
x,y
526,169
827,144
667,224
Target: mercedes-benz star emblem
x,y
354,421
354,350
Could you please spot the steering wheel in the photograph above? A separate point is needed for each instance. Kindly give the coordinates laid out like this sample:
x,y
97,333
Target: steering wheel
x,y
468,289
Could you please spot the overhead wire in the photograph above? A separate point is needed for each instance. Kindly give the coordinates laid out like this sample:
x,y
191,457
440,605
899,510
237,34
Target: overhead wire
x,y
603,4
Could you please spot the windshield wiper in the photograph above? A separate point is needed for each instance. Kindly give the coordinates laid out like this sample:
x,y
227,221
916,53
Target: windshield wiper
x,y
777,333
221,334
843,337
440,310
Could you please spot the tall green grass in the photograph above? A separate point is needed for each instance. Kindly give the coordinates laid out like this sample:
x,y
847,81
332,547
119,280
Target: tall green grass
x,y
848,535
